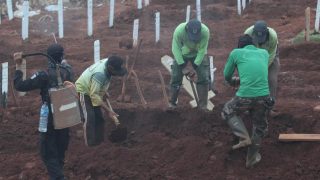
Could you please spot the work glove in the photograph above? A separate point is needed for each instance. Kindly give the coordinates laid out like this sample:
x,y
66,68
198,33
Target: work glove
x,y
17,57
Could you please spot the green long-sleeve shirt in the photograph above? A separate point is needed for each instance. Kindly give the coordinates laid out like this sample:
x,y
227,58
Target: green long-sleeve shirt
x,y
183,47
270,45
252,65
94,81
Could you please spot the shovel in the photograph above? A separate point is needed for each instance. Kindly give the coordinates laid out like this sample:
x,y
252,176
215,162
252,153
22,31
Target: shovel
x,y
120,133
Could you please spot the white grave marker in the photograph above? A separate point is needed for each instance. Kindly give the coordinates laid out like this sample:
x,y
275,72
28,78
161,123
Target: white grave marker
x,y
96,51
9,8
157,20
316,26
135,32
212,70
199,10
188,14
25,20
111,14
60,18
5,79
139,4
239,7
89,17
244,4
146,2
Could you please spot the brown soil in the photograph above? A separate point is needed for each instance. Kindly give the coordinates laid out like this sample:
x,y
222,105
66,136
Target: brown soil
x,y
185,144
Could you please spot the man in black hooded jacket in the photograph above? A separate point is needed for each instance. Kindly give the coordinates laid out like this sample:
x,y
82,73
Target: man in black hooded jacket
x,y
54,142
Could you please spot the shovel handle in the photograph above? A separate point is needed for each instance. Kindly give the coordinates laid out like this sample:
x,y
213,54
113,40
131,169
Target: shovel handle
x,y
115,120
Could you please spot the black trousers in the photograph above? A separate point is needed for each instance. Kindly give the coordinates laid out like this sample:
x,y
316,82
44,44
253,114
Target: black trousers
x,y
53,145
93,125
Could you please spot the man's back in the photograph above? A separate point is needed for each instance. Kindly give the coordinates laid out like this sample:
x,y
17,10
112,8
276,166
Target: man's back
x,y
252,66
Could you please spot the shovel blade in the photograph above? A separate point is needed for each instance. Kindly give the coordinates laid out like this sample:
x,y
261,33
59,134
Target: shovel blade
x,y
118,135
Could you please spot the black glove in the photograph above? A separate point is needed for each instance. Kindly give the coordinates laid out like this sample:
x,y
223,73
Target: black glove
x,y
235,81
269,102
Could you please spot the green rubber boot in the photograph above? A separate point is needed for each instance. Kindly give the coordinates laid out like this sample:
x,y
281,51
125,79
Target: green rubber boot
x,y
240,130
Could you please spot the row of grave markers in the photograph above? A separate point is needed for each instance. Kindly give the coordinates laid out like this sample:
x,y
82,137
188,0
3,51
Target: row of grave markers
x,y
25,27
241,4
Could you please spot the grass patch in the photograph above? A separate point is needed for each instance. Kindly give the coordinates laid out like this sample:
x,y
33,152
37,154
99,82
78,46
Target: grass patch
x,y
314,37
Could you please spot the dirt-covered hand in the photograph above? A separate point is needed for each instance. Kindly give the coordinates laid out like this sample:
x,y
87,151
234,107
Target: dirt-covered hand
x,y
235,81
188,72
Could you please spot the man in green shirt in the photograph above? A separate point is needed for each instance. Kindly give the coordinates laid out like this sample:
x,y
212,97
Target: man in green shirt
x,y
91,86
253,95
189,44
266,38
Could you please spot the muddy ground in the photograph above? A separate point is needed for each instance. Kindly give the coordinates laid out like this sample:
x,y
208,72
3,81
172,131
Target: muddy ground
x,y
185,144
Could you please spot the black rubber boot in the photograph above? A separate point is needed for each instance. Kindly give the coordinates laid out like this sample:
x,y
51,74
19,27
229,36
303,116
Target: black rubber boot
x,y
202,91
253,155
174,92
240,130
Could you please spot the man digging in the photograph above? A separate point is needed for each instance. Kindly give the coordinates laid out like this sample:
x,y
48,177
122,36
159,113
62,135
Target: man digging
x,y
189,44
252,95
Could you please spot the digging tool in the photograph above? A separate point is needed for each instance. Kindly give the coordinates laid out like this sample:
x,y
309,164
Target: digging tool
x,y
123,97
163,87
120,133
136,81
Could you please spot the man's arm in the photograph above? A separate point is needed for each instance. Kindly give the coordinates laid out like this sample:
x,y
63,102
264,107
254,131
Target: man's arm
x,y
96,98
229,68
202,47
177,45
273,45
37,81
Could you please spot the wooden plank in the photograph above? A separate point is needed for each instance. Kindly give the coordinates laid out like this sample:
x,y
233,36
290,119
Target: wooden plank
x,y
166,62
299,137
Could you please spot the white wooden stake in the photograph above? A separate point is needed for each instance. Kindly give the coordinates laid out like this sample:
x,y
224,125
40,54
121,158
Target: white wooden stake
x,y
9,8
188,14
239,7
22,67
316,26
25,20
157,20
307,30
135,32
60,18
139,4
212,70
199,10
96,51
111,14
5,79
244,4
89,9
146,2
